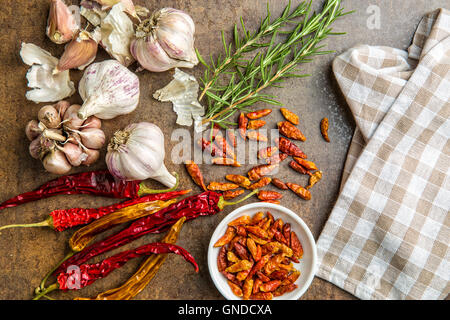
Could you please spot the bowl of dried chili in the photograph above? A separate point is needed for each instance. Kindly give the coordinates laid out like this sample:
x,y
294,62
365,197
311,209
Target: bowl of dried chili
x,y
262,251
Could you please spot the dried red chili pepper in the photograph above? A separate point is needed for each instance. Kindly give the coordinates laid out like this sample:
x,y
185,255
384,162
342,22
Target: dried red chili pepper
x,y
205,204
262,296
88,273
289,130
211,148
324,124
270,286
61,220
294,165
308,165
221,186
279,184
221,259
265,195
284,289
242,220
290,148
255,124
232,138
300,191
241,251
243,122
261,183
267,152
226,238
296,246
226,149
98,183
242,181
315,177
235,289
260,171
195,173
258,114
287,233
277,158
290,116
231,194
225,162
256,136
247,289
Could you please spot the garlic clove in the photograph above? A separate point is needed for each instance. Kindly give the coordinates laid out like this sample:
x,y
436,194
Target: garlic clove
x,y
61,24
92,156
32,130
92,122
71,119
92,138
79,53
35,148
74,154
49,116
62,107
56,162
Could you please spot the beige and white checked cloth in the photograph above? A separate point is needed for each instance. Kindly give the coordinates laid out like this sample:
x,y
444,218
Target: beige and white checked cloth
x,y
388,235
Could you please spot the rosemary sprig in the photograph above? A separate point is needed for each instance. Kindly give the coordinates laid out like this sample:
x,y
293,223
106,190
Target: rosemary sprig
x,y
271,65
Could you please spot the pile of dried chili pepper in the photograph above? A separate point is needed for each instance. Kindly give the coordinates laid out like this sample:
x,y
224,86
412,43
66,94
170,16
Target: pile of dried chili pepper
x,y
99,183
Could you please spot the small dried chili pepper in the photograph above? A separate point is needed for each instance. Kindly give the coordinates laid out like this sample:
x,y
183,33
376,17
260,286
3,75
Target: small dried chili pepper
x,y
279,184
253,248
235,289
294,165
265,195
222,259
270,286
257,231
279,275
231,194
290,116
315,177
258,282
259,265
279,237
256,136
276,158
242,265
259,114
241,251
242,181
290,148
255,124
226,238
232,138
209,147
262,276
289,130
204,204
243,122
242,275
287,233
225,162
324,124
247,289
308,165
88,273
300,191
98,183
240,230
82,237
222,186
267,152
195,173
262,296
242,220
284,289
145,273
257,218
296,246
258,240
261,183
291,278
230,256
260,171
226,149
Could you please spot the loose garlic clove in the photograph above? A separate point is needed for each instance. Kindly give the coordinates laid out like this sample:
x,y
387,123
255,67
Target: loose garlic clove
x,y
56,162
71,119
79,53
49,116
61,24
92,138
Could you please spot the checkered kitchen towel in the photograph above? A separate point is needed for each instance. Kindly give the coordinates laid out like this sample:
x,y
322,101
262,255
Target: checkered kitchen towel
x,y
388,235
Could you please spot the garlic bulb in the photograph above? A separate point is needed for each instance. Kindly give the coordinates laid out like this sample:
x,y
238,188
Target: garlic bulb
x,y
137,153
79,53
108,90
165,41
61,25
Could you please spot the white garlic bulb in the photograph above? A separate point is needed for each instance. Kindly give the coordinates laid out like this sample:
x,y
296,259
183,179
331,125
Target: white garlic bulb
x,y
165,41
137,153
108,90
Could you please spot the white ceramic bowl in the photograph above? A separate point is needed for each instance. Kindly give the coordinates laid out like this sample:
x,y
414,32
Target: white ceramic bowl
x,y
307,265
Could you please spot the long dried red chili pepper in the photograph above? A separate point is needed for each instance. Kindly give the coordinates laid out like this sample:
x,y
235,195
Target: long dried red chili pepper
x,y
61,220
76,279
204,204
99,183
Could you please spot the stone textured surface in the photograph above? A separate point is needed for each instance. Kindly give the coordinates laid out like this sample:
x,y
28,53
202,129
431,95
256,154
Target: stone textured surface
x,y
27,254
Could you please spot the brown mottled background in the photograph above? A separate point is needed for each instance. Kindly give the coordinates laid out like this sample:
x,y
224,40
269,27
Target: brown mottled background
x,y
27,254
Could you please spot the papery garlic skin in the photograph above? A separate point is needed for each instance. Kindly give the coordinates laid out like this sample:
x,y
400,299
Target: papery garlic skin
x,y
128,5
61,24
108,90
79,53
47,87
165,41
137,153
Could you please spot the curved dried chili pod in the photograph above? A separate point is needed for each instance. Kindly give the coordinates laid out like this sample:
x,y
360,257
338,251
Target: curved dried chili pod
x,y
300,191
242,124
225,162
266,195
231,194
226,238
232,138
258,114
261,183
315,177
209,147
242,181
294,165
224,147
324,124
277,158
255,124
279,184
247,289
260,171
308,165
290,148
195,173
289,130
222,186
290,116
